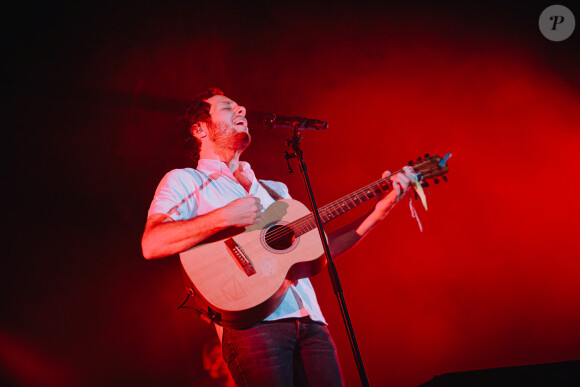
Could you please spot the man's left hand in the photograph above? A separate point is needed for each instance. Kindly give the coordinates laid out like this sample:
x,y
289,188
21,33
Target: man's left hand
x,y
401,183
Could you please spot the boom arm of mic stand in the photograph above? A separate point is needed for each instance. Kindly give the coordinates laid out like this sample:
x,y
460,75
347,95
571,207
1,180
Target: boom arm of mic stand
x,y
295,143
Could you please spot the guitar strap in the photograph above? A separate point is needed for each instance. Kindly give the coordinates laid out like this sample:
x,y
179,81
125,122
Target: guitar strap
x,y
270,191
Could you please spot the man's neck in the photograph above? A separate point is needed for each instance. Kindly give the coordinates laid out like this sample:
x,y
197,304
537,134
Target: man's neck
x,y
232,160
229,157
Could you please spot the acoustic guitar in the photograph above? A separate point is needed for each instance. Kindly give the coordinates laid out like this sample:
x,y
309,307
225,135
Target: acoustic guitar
x,y
239,276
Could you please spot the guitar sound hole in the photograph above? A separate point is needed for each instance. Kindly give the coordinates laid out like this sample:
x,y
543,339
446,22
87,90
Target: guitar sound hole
x,y
279,237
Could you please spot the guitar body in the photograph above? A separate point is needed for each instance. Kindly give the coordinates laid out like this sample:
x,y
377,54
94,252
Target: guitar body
x,y
244,277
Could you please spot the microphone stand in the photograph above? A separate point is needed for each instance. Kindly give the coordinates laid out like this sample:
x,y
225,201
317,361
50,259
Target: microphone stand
x,y
294,142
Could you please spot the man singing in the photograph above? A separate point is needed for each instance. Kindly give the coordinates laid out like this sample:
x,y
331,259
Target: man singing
x,y
291,346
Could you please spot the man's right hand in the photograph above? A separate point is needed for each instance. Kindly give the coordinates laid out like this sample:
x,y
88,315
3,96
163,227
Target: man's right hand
x,y
242,212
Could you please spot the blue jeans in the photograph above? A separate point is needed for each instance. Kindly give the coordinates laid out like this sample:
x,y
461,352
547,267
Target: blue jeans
x,y
289,352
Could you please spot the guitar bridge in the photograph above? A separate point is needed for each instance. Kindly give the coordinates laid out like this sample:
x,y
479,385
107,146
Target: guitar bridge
x,y
238,254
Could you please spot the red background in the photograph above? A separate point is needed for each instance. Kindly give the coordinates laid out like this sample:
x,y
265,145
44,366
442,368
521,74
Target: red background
x,y
93,96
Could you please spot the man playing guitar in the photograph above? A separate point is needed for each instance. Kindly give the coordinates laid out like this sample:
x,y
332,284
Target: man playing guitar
x,y
292,345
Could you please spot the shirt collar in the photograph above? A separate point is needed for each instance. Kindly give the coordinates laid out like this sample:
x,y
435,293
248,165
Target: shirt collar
x,y
210,166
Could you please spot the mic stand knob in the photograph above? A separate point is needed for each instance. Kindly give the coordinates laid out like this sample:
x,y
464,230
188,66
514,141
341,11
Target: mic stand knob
x,y
289,156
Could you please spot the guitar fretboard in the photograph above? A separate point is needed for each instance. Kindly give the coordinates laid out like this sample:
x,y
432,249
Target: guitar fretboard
x,y
340,206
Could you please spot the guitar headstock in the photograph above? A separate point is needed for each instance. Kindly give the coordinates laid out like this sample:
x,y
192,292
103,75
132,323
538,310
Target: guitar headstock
x,y
431,167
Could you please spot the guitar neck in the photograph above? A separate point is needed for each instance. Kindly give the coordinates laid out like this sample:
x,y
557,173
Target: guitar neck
x,y
341,206
429,168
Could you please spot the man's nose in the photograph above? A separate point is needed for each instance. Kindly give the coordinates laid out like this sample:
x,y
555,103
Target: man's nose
x,y
241,110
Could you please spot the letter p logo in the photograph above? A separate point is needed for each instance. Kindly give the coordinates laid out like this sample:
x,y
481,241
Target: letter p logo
x,y
557,20
557,23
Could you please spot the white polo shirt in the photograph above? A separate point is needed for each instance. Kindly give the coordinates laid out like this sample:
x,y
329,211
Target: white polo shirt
x,y
186,193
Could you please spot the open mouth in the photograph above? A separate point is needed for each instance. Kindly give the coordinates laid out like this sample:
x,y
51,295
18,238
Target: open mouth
x,y
241,122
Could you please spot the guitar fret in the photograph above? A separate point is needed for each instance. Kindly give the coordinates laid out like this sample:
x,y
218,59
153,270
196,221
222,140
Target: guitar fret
x,y
341,206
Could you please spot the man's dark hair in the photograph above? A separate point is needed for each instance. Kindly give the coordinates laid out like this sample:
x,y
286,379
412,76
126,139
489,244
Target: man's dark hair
x,y
197,111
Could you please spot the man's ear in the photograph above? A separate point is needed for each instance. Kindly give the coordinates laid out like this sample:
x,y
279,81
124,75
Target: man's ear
x,y
197,130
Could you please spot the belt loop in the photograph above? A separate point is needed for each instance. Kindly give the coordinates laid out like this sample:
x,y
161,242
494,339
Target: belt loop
x,y
297,328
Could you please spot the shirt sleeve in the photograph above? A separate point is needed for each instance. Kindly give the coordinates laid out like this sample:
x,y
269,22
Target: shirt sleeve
x,y
175,196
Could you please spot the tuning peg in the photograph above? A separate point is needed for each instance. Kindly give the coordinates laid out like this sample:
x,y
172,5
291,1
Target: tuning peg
x,y
445,179
436,181
424,184
411,163
419,159
427,155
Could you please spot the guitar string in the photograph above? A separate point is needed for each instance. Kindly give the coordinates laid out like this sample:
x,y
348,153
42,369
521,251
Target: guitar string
x,y
308,220
329,209
284,232
374,189
336,206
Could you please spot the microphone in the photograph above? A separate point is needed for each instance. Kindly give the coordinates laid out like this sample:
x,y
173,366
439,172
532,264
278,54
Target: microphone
x,y
272,121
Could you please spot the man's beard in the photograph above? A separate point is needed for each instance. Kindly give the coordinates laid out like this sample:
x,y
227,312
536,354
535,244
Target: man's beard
x,y
225,137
